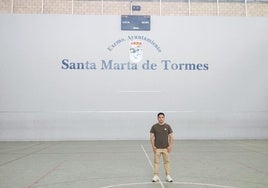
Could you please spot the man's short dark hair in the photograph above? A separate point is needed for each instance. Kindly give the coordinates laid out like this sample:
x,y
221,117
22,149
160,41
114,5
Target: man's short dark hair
x,y
160,113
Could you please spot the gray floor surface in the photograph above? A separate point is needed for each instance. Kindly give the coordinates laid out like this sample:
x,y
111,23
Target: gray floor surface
x,y
128,164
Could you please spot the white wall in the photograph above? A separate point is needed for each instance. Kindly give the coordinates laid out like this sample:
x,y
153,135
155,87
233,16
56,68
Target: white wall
x,y
40,100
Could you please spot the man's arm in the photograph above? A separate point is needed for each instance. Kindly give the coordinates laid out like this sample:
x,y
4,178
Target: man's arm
x,y
152,138
170,141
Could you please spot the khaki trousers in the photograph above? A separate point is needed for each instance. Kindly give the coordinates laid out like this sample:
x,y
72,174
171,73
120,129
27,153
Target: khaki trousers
x,y
157,157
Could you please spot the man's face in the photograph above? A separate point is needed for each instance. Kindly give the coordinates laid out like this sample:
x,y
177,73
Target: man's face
x,y
161,119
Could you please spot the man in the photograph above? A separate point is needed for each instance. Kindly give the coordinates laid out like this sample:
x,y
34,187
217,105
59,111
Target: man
x,y
161,136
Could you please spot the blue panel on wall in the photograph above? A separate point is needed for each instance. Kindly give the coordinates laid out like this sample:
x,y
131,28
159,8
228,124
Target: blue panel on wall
x,y
136,22
136,8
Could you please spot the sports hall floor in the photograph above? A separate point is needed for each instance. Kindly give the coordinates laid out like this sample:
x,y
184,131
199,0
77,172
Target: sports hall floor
x,y
128,164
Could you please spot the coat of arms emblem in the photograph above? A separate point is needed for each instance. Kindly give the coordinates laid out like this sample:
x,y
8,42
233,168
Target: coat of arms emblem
x,y
135,53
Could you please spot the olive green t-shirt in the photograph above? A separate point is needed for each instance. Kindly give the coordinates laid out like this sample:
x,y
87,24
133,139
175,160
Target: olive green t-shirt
x,y
161,133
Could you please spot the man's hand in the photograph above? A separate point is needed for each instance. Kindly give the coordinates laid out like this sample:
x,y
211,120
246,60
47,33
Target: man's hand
x,y
152,138
154,149
170,141
169,149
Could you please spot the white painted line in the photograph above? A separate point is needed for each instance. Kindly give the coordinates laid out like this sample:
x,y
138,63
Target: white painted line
x,y
123,111
204,184
128,184
139,91
147,156
161,183
180,183
90,111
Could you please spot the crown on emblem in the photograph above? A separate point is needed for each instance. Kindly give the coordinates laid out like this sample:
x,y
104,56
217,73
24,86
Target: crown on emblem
x,y
136,43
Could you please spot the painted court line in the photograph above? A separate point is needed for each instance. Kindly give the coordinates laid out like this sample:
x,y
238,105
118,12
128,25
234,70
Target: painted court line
x,y
180,183
204,184
44,175
128,184
151,164
162,183
139,91
26,155
147,156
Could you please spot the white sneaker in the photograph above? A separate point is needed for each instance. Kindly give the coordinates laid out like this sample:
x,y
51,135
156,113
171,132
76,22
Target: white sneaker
x,y
155,178
169,179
